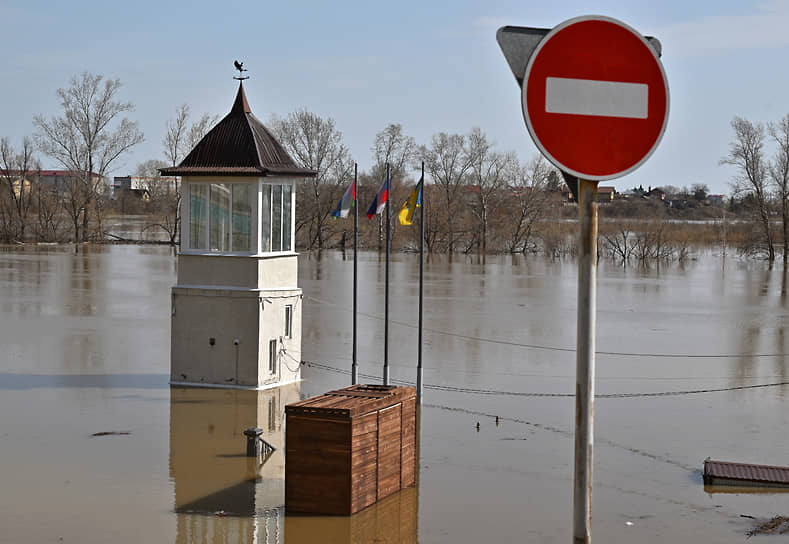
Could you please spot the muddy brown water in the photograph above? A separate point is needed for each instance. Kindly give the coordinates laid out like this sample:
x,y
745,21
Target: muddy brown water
x,y
85,350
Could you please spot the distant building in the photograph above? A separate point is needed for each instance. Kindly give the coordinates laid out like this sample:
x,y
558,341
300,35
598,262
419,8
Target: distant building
x,y
656,194
52,179
630,194
567,194
141,186
625,196
717,200
18,181
605,194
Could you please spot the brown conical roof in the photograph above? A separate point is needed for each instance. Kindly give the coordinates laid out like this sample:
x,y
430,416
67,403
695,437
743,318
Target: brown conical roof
x,y
239,145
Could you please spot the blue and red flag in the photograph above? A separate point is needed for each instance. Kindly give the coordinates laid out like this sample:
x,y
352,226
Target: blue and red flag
x,y
380,200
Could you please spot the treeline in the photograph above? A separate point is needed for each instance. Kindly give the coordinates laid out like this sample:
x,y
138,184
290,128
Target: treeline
x,y
85,140
477,198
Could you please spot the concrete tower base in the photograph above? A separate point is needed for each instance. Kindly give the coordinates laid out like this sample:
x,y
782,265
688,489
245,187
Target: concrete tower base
x,y
231,334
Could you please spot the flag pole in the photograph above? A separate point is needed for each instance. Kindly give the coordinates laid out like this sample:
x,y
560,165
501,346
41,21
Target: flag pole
x,y
386,296
354,366
419,383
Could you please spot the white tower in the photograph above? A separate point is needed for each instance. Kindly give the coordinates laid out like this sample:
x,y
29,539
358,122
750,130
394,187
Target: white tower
x,y
236,307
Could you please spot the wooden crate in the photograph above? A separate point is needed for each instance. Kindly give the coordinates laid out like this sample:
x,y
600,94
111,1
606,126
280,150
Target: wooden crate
x,y
347,449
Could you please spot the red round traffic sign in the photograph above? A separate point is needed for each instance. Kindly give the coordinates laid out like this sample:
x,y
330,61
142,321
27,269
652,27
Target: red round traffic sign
x,y
595,98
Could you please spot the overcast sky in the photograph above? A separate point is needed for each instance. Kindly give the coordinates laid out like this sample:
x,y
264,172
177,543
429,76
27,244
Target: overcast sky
x,y
430,66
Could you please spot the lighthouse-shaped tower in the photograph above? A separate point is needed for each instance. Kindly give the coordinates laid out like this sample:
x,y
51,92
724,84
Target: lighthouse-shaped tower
x,y
236,307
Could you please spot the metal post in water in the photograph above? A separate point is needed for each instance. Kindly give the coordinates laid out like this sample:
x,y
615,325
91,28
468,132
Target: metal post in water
x,y
584,374
386,296
354,365
254,443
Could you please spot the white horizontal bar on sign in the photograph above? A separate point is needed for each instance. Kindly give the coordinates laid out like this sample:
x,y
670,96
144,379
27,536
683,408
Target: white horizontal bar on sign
x,y
591,97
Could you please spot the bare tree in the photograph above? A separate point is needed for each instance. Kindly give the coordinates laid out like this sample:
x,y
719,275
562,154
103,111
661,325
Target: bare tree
x,y
86,139
315,143
174,141
779,174
179,139
448,161
746,154
163,198
394,148
20,180
490,172
699,191
198,129
52,224
621,242
529,195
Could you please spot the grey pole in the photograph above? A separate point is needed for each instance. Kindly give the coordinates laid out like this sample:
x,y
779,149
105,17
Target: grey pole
x,y
386,296
419,385
584,373
354,365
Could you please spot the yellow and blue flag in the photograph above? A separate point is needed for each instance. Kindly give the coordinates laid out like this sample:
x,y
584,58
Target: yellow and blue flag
x,y
406,214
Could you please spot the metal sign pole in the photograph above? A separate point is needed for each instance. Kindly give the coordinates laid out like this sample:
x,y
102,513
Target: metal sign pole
x,y
622,126
585,358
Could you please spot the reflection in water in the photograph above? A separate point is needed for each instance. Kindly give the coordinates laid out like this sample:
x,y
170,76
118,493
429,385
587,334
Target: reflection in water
x,y
220,494
223,496
17,381
392,519
737,490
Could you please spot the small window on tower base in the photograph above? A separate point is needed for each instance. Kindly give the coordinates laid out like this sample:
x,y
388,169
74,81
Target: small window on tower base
x,y
289,321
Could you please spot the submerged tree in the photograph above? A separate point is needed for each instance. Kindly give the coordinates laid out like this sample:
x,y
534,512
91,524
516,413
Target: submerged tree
x,y
529,197
392,147
447,162
86,139
315,143
163,198
779,173
490,173
746,154
20,181
179,139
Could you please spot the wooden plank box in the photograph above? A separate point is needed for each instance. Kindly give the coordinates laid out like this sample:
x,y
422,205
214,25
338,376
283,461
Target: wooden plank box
x,y
347,449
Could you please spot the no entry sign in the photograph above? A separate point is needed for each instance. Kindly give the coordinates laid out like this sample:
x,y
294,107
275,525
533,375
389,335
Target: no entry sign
x,y
595,98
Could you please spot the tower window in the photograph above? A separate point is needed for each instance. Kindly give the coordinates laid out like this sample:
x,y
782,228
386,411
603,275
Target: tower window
x,y
272,357
289,321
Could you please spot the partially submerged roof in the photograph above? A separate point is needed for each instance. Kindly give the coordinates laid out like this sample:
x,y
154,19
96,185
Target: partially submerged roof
x,y
734,473
239,145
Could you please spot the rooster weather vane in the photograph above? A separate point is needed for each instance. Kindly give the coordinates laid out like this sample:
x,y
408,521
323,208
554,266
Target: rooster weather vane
x,y
240,67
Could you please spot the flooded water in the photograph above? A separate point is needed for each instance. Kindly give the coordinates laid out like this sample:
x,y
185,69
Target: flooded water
x,y
134,228
85,351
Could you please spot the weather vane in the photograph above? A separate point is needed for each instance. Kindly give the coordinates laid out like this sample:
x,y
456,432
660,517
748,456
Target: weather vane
x,y
240,67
